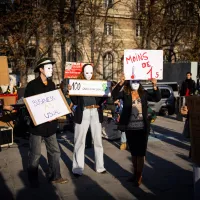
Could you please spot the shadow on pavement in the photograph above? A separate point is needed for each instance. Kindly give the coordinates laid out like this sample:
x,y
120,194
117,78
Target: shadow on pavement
x,y
92,190
85,187
5,192
167,180
171,137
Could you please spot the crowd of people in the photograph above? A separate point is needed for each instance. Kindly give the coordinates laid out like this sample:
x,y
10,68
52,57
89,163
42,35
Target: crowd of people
x,y
131,111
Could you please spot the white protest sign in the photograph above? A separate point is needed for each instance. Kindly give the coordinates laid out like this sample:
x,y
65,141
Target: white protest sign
x,y
143,64
47,106
95,88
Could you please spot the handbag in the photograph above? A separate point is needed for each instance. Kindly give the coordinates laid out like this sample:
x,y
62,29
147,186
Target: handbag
x,y
151,115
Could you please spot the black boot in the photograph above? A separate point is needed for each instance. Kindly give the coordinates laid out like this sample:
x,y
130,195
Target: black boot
x,y
33,177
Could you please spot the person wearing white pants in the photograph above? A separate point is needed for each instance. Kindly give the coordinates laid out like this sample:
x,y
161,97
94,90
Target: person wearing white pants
x,y
90,118
88,113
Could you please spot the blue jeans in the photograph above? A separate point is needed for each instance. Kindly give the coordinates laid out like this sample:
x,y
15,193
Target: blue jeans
x,y
123,137
53,154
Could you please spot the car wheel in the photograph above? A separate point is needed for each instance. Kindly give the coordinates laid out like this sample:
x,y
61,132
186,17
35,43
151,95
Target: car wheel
x,y
164,111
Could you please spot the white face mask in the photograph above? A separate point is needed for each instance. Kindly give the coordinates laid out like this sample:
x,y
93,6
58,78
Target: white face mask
x,y
134,85
48,70
88,72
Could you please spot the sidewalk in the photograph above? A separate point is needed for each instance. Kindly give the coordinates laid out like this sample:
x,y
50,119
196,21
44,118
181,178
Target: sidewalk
x,y
167,174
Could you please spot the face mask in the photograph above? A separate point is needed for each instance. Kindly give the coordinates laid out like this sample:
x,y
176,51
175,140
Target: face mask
x,y
48,70
88,72
134,85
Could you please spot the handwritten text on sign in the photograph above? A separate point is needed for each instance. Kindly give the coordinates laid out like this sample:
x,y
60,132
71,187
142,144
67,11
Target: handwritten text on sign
x,y
47,106
89,88
143,64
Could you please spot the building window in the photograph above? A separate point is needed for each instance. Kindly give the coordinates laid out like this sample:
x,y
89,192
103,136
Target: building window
x,y
74,56
140,5
138,30
108,3
108,29
108,66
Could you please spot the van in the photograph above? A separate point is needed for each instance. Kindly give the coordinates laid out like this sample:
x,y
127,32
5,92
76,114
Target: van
x,y
166,106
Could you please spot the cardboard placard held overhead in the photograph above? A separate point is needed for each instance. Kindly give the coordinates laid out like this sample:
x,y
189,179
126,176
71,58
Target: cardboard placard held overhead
x,y
143,64
4,73
96,88
47,106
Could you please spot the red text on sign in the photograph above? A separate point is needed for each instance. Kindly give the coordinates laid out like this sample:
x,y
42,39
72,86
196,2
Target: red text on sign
x,y
137,57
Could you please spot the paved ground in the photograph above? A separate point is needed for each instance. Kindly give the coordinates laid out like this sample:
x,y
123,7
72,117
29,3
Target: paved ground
x,y
167,174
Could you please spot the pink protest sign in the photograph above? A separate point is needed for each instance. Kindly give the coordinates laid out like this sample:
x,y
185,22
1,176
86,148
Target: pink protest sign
x,y
143,64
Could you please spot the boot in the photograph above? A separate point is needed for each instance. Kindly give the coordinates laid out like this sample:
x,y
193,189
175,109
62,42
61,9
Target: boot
x,y
138,179
33,177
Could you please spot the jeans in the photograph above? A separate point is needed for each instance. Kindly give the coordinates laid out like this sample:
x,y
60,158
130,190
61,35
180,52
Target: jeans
x,y
123,137
196,173
53,154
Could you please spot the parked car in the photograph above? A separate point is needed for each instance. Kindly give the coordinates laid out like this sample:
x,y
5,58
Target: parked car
x,y
166,106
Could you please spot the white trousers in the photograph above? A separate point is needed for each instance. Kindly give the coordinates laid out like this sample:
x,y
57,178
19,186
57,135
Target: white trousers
x,y
90,118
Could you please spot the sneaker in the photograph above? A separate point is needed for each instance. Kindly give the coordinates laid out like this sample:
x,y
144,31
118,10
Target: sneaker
x,y
60,181
123,146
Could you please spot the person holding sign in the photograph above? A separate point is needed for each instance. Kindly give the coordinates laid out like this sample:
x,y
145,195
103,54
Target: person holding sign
x,y
47,130
88,113
134,120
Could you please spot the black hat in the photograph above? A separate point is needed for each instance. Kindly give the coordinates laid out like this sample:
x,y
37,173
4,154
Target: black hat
x,y
42,62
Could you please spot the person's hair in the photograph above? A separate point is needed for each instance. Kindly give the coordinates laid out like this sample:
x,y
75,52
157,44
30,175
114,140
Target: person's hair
x,y
189,73
128,89
81,75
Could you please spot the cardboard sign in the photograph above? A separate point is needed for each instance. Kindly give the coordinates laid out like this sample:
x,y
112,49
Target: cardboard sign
x,y
8,99
47,106
143,64
4,73
89,88
73,69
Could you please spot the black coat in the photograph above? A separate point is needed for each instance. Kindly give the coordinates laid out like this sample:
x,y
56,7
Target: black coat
x,y
127,106
35,87
188,84
78,114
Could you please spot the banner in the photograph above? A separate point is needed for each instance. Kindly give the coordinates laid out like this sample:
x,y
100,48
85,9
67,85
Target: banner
x,y
73,69
95,88
143,64
47,106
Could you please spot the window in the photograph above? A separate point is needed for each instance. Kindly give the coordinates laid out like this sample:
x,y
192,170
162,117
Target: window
x,y
108,29
140,5
138,30
108,66
108,3
165,93
74,56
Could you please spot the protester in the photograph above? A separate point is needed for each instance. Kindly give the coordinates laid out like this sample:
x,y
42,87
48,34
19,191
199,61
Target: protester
x,y
188,86
119,108
134,120
88,113
47,130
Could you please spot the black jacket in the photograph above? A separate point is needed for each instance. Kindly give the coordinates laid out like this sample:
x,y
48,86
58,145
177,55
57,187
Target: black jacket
x,y
127,106
190,84
78,114
35,87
